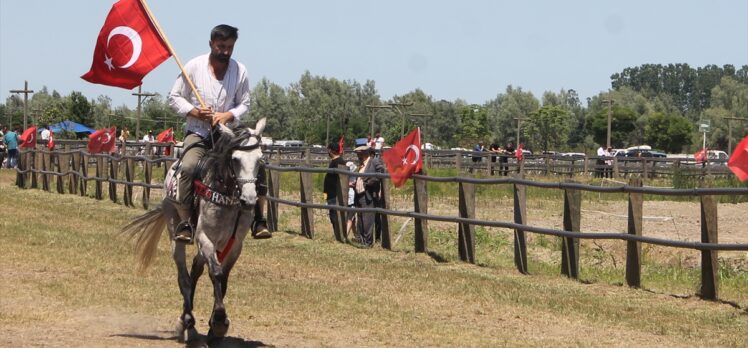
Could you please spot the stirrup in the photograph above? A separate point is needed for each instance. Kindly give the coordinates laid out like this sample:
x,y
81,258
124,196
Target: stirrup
x,y
184,232
260,229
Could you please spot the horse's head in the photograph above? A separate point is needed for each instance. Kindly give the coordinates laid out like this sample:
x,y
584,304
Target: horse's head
x,y
246,159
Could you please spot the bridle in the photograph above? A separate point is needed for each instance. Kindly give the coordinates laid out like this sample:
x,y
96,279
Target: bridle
x,y
239,182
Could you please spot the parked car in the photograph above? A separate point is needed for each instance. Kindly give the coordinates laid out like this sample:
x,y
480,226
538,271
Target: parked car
x,y
645,153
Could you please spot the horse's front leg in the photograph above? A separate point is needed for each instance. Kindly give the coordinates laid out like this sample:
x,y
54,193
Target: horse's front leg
x,y
186,324
219,321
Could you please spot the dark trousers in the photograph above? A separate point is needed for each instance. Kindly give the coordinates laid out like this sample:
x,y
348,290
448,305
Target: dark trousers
x,y
333,213
12,158
366,223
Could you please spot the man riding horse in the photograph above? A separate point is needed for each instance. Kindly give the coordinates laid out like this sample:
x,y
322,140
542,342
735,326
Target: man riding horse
x,y
224,87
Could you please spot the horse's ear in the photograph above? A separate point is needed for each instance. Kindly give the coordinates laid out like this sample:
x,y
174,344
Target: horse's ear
x,y
226,130
260,126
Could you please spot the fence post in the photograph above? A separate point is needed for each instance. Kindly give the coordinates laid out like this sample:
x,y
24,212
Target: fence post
x,y
340,230
384,221
34,167
466,232
634,249
45,177
645,170
547,164
99,174
113,168
147,173
586,165
129,170
520,217
421,204
709,262
21,166
58,169
458,161
572,220
616,174
273,191
74,177
307,214
84,173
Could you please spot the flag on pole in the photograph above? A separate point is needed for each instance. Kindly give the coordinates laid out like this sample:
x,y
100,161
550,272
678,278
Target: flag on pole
x,y
404,158
700,156
341,144
128,47
28,138
518,153
51,141
738,162
166,136
103,140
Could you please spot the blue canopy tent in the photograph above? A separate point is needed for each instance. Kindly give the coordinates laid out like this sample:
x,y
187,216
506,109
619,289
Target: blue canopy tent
x,y
70,126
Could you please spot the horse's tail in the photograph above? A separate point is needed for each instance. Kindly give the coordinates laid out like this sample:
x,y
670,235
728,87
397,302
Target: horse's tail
x,y
147,230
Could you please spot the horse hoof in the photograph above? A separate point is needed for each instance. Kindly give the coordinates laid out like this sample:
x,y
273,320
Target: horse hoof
x,y
186,333
219,323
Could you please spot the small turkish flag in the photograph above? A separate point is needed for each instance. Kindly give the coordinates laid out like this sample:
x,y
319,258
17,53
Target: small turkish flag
x,y
738,162
128,47
28,138
51,142
518,153
404,158
700,156
103,140
166,136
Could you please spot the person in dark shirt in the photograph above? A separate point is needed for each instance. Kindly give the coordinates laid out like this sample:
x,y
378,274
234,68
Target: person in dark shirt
x,y
331,179
504,160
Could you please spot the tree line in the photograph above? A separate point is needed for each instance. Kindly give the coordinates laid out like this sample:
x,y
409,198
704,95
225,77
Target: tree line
x,y
654,104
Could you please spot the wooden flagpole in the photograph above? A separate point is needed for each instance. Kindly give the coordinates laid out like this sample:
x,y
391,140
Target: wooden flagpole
x,y
173,53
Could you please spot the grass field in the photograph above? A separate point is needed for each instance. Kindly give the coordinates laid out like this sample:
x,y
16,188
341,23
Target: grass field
x,y
69,280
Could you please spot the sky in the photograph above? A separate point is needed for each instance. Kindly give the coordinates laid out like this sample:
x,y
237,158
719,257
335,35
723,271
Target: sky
x,y
466,49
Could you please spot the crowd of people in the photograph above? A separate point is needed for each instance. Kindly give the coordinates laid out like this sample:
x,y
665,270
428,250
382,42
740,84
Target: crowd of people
x,y
497,152
604,167
363,192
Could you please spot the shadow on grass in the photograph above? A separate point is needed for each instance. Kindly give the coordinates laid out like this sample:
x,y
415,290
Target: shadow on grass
x,y
202,341
437,257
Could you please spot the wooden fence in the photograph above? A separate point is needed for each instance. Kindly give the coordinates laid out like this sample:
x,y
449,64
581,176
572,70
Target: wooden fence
x,y
466,221
69,170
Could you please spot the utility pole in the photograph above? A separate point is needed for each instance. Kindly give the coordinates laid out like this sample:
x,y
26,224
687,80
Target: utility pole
x,y
426,124
141,98
519,122
371,116
610,102
26,91
35,115
729,132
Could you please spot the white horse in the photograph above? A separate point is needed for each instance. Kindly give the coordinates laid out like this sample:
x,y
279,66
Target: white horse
x,y
224,217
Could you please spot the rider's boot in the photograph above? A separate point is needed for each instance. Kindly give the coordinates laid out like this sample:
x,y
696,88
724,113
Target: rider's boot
x,y
184,230
260,227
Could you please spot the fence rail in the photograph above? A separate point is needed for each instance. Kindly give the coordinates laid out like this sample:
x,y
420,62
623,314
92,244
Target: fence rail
x,y
70,169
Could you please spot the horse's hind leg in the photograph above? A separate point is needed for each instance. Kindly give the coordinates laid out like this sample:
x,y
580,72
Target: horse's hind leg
x,y
186,331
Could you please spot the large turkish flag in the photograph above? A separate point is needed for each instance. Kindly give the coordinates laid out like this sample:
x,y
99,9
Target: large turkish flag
x,y
103,140
128,47
28,138
404,158
738,162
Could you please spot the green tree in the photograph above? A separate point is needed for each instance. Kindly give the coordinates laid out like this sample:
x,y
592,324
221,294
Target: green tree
x,y
504,108
622,126
77,108
547,128
473,126
672,133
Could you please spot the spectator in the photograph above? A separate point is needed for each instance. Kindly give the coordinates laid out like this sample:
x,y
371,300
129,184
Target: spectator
x,y
504,160
608,162
331,180
494,149
378,142
600,162
351,216
148,137
123,135
3,149
11,142
45,132
368,193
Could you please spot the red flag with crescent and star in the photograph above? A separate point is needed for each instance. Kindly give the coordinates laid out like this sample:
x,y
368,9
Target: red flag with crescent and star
x,y
404,158
128,47
700,156
103,140
51,141
518,153
166,136
28,138
738,162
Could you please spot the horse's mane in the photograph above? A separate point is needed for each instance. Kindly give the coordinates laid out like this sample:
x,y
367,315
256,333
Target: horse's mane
x,y
218,158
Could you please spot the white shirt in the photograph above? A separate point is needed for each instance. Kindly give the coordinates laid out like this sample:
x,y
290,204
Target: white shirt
x,y
45,134
147,138
600,151
379,143
228,95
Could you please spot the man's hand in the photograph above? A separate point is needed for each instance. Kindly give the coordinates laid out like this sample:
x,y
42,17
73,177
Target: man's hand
x,y
202,114
222,118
